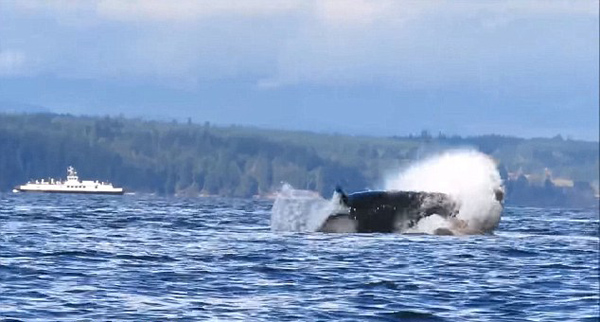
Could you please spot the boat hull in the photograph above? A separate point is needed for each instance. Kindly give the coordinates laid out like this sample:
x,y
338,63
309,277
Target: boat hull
x,y
72,185
121,192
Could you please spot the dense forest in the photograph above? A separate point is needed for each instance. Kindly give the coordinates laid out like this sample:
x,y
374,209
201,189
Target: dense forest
x,y
200,159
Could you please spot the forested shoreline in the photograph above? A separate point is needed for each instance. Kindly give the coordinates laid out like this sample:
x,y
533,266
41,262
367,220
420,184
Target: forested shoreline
x,y
201,159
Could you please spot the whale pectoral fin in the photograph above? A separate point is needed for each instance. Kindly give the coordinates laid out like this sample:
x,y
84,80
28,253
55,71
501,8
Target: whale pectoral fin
x,y
339,223
443,232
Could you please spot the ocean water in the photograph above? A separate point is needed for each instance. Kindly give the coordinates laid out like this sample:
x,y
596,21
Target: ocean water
x,y
141,258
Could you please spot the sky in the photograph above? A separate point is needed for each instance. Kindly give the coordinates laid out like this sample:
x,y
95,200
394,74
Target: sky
x,y
527,68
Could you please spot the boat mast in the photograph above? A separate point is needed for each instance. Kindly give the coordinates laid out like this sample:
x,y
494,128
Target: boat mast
x,y
72,174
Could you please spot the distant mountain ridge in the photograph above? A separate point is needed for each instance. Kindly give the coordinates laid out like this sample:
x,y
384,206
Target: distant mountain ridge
x,y
18,107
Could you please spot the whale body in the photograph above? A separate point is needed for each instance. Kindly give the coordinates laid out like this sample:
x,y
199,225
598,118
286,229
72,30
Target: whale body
x,y
391,211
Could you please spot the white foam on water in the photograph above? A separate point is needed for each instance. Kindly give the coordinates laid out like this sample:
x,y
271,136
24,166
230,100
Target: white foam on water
x,y
468,176
301,210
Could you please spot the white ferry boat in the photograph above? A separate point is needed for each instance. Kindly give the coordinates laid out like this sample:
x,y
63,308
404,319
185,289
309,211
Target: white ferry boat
x,y
71,185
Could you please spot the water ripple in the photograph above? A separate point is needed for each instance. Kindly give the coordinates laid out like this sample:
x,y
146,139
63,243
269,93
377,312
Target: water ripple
x,y
149,258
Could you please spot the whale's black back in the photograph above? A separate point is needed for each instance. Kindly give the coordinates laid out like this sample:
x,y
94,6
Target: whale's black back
x,y
389,211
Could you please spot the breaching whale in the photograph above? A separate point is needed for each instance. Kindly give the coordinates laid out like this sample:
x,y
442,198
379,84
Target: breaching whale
x,y
391,211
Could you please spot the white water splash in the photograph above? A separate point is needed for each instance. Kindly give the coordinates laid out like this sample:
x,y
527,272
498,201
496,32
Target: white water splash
x,y
301,210
467,176
470,177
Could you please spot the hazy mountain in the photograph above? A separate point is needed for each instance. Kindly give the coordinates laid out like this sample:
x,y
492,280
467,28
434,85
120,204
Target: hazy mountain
x,y
17,107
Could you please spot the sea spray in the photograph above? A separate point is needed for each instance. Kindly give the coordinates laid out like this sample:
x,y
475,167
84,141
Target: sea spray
x,y
301,210
470,177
